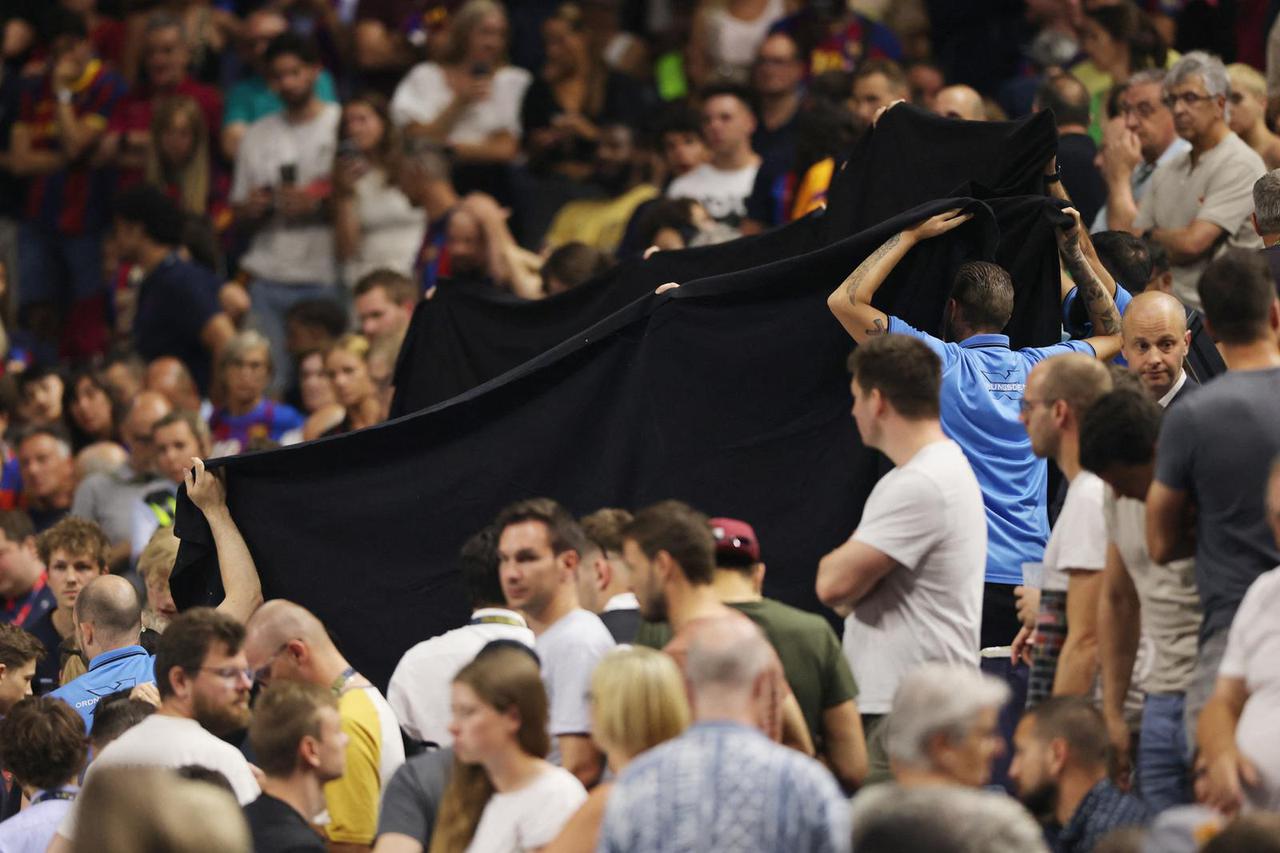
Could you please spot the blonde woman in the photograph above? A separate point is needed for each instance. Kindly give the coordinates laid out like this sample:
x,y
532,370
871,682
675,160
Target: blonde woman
x,y
503,796
179,163
637,702
347,364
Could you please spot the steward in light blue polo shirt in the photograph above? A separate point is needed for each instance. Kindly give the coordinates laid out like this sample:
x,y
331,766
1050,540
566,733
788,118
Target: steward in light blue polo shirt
x,y
108,618
981,394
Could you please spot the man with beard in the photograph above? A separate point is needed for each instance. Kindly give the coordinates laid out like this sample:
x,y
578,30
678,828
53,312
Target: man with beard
x,y
286,642
600,223
204,680
1060,767
671,551
280,196
539,548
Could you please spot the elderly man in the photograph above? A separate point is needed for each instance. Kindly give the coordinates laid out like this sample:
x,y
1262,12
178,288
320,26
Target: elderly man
x,y
1200,199
1134,144
48,478
728,665
944,726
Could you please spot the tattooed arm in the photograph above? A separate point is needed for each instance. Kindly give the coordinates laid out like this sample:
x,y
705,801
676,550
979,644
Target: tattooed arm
x,y
1098,302
851,301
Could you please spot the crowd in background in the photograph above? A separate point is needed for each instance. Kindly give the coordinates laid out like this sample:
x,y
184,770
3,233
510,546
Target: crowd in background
x,y
216,220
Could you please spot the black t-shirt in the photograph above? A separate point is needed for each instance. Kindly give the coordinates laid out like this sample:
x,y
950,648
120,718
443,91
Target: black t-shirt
x,y
49,668
277,827
175,302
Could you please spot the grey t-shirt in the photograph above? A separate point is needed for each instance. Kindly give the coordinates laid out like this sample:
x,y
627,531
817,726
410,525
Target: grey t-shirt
x,y
1217,445
1218,190
412,797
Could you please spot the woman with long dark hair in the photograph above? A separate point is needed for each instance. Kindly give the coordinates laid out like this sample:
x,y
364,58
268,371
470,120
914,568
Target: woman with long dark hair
x,y
375,225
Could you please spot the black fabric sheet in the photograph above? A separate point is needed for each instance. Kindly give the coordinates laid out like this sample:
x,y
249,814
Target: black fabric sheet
x,y
730,393
463,338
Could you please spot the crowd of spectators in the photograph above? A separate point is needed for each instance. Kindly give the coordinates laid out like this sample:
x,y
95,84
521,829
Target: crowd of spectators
x,y
217,218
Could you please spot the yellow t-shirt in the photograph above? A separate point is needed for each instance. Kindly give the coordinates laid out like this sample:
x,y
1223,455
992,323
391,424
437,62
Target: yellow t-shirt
x,y
374,752
600,223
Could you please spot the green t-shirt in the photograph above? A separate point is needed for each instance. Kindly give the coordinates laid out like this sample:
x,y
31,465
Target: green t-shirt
x,y
812,659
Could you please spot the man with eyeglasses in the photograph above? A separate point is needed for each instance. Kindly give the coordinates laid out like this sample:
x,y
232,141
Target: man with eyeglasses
x,y
203,679
1134,143
1200,200
286,642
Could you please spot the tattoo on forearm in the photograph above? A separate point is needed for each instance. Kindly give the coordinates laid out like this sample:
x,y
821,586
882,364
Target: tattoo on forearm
x,y
879,328
1101,308
855,279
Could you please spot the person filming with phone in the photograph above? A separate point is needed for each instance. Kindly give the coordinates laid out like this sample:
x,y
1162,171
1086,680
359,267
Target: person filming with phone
x,y
280,196
470,100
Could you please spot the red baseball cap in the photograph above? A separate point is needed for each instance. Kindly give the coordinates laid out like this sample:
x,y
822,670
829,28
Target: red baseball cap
x,y
736,538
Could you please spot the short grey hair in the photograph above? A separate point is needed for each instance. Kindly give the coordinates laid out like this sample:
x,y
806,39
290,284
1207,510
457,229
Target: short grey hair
x,y
726,653
1143,78
1266,202
244,342
1207,67
942,819
938,699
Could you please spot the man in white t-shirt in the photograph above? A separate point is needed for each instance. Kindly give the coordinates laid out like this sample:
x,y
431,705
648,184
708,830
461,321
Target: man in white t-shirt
x,y
723,185
1238,737
1059,391
280,192
910,578
204,680
420,687
539,548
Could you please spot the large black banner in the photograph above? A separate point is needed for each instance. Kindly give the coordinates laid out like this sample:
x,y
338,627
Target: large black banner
x,y
729,392
463,338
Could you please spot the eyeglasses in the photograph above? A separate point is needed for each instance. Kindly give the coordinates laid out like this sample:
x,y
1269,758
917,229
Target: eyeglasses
x,y
229,673
1189,99
262,672
1144,109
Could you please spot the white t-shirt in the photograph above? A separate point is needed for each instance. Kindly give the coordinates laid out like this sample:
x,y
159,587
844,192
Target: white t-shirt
x,y
419,691
173,742
723,192
530,817
1253,654
570,650
280,251
1079,539
424,93
391,229
928,516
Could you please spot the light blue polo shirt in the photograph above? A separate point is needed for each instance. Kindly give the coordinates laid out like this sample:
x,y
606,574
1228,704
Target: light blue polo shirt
x,y
109,672
982,384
